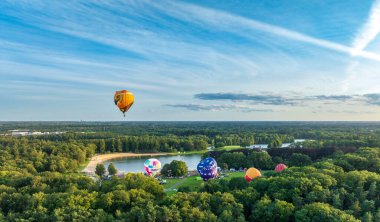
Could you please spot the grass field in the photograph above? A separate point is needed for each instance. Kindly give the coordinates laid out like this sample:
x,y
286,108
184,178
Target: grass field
x,y
192,182
228,148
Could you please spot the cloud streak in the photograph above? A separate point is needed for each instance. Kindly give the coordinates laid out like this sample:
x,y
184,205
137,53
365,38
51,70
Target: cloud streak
x,y
281,100
369,31
242,26
262,99
199,107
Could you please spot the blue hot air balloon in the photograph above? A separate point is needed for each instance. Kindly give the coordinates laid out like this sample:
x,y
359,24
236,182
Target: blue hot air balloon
x,y
207,168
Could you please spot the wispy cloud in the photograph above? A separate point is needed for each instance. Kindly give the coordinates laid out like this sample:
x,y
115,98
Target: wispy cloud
x,y
369,31
198,107
262,99
243,26
372,99
297,99
331,97
167,51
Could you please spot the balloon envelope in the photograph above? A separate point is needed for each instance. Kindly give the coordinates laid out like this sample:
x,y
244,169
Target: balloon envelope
x,y
124,100
251,174
280,167
152,166
207,168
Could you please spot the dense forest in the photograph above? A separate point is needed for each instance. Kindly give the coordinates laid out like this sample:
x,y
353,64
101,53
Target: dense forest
x,y
332,176
189,136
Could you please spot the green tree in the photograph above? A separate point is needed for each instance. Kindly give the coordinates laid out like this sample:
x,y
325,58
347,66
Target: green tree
x,y
100,170
179,168
322,212
298,159
267,210
261,160
112,169
166,170
367,217
185,189
275,143
233,160
102,146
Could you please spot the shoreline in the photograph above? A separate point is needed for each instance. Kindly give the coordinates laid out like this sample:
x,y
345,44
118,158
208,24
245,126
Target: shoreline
x,y
100,158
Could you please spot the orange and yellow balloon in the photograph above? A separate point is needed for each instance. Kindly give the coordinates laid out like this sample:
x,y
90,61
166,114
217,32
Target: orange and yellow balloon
x,y
124,100
251,174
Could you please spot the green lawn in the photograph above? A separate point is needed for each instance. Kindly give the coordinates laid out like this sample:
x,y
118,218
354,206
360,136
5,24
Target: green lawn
x,y
191,182
228,148
193,152
195,184
170,182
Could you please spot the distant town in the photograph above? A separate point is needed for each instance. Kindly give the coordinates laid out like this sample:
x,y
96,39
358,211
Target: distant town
x,y
26,132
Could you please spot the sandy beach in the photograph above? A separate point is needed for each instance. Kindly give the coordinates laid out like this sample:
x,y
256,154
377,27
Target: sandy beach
x,y
99,158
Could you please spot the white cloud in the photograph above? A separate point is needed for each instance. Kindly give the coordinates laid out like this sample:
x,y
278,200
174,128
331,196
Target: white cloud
x,y
242,26
368,32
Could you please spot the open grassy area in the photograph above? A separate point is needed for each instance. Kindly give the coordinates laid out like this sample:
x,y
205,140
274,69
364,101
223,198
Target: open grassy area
x,y
194,183
170,182
192,152
228,148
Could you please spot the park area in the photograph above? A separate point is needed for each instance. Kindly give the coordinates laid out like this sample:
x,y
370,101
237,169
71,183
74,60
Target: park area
x,y
195,182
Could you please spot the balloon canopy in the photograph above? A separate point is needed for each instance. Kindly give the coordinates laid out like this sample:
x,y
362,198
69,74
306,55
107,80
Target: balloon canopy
x,y
124,100
207,168
280,167
152,166
251,174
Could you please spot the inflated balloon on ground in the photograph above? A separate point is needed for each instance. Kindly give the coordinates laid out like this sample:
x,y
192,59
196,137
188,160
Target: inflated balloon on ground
x,y
207,168
280,167
152,166
251,174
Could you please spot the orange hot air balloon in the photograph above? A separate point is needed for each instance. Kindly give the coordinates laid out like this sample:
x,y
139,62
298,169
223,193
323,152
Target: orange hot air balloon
x,y
124,100
280,167
251,174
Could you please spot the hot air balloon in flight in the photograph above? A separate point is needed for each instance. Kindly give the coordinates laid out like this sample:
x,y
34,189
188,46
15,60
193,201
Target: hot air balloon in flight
x,y
124,100
207,168
280,167
152,166
251,174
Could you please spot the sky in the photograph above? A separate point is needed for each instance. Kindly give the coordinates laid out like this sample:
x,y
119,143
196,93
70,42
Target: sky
x,y
190,60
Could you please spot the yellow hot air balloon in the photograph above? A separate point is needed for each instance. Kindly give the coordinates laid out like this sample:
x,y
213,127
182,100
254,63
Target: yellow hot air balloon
x,y
124,100
251,174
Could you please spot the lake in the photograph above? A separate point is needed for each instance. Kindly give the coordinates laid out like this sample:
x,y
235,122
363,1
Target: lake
x,y
136,165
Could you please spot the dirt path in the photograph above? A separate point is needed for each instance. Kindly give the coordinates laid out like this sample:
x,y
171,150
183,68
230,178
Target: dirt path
x,y
100,158
177,184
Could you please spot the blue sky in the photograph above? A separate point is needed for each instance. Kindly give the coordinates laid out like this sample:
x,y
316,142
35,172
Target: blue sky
x,y
190,60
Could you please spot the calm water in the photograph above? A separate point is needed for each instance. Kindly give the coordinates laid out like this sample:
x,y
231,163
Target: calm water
x,y
136,165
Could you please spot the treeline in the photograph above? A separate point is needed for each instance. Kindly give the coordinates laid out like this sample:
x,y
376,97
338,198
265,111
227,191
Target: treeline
x,y
218,140
266,159
218,134
299,129
107,142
